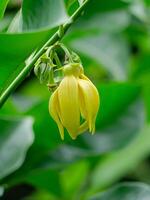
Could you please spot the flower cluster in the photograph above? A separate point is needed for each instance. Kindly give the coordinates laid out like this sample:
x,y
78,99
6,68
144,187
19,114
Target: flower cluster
x,y
75,103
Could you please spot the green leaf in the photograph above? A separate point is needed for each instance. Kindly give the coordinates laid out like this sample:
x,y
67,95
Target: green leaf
x,y
15,139
95,6
112,17
77,174
3,4
125,191
119,163
56,182
121,95
14,50
43,14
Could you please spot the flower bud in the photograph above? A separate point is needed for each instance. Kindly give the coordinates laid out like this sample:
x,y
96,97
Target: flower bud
x,y
76,99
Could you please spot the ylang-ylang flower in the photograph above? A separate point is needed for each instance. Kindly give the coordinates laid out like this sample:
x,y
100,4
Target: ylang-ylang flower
x,y
74,104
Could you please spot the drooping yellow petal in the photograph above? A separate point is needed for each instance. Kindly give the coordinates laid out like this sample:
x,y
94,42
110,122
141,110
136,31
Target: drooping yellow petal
x,y
83,127
69,104
54,112
90,105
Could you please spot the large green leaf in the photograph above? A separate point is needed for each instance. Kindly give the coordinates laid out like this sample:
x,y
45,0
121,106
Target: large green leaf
x,y
16,48
126,191
3,4
56,182
43,14
118,163
121,96
77,173
39,14
15,138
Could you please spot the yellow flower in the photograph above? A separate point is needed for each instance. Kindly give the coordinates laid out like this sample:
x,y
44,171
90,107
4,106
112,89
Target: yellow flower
x,y
76,99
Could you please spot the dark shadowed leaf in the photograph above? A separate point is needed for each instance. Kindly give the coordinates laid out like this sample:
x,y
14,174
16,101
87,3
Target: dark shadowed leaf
x,y
46,179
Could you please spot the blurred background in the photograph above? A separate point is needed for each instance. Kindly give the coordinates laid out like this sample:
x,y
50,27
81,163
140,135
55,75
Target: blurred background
x,y
112,38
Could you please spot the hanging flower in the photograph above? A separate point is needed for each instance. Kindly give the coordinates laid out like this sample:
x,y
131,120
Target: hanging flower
x,y
75,100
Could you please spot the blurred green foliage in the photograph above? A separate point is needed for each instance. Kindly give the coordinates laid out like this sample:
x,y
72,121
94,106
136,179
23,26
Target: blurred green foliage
x,y
113,39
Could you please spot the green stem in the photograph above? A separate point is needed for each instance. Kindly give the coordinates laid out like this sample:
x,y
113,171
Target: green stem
x,y
67,52
61,31
56,37
58,63
51,77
